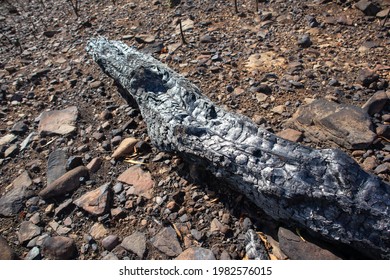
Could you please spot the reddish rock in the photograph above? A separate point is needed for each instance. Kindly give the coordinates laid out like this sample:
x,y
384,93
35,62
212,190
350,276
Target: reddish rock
x,y
60,122
94,164
166,241
196,254
297,249
66,183
28,231
135,243
59,248
95,202
291,135
125,147
140,180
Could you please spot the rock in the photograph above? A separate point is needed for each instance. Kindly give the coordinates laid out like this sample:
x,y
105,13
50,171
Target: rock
x,y
12,151
207,39
383,13
367,77
94,164
59,248
291,135
166,241
66,183
196,254
56,165
297,249
186,24
135,243
27,231
383,131
95,202
60,122
225,255
278,109
110,256
19,128
50,33
144,38
140,180
12,202
110,242
382,168
73,162
217,226
62,207
6,252
8,138
33,254
96,84
346,125
376,103
261,97
304,41
125,147
367,7
98,231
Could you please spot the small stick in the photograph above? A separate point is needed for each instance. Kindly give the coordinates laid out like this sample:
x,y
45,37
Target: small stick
x,y
235,6
183,40
257,5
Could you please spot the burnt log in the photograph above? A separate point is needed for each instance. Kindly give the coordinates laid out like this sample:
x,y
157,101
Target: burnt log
x,y
323,191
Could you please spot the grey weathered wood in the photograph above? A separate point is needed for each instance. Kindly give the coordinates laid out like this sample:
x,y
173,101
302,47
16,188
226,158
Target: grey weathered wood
x,y
324,191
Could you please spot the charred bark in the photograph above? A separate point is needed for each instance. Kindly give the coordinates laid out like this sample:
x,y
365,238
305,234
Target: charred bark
x,y
323,191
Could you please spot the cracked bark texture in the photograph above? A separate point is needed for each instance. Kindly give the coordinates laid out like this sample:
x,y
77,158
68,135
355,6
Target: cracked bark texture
x,y
323,191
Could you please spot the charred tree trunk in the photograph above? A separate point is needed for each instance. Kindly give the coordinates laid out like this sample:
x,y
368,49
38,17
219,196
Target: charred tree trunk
x,y
324,191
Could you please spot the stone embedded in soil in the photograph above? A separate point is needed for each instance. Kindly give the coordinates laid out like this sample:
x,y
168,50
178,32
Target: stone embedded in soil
x,y
96,84
304,41
346,125
56,165
291,135
110,242
19,128
110,257
135,243
27,231
95,202
383,131
98,231
217,226
382,168
166,241
296,249
6,252
66,183
12,202
141,181
60,122
196,254
62,207
144,38
377,102
59,248
126,147
94,164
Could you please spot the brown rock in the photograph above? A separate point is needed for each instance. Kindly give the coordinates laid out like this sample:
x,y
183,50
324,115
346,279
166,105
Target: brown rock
x,y
12,202
98,231
59,248
125,147
367,7
196,254
110,242
166,241
135,243
376,103
60,122
291,135
94,164
6,252
28,231
95,202
297,249
369,163
66,183
346,125
140,180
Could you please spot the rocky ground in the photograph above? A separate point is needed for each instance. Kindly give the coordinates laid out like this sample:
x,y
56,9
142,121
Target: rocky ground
x,y
80,179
